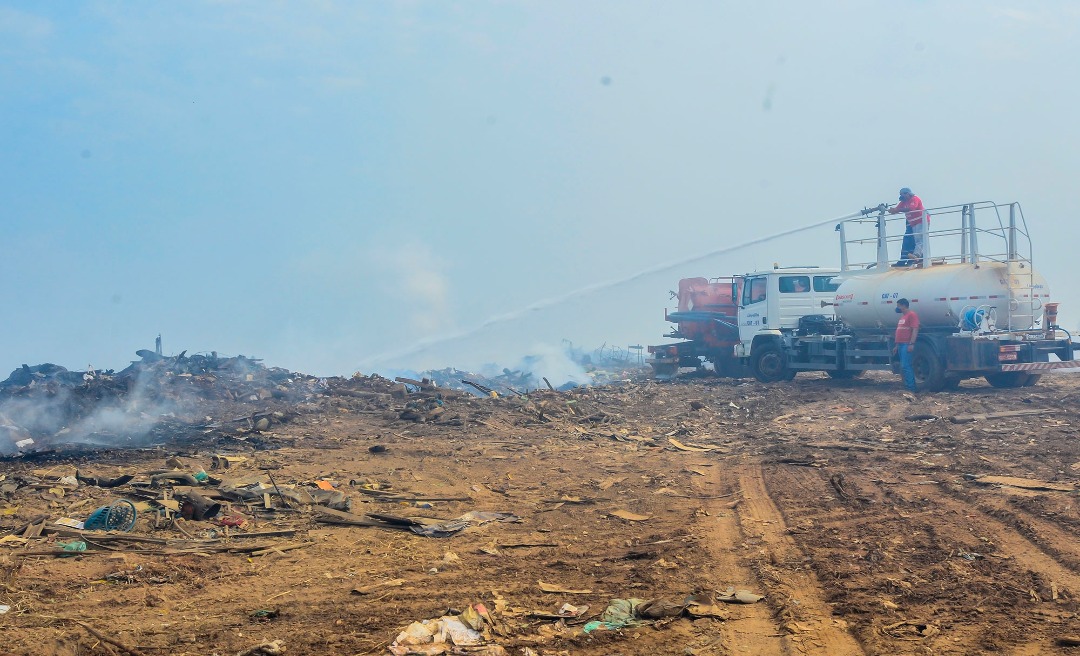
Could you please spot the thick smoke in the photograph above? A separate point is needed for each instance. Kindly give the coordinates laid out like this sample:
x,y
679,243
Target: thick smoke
x,y
51,415
550,362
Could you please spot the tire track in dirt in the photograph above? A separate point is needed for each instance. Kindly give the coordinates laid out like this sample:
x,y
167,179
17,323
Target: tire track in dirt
x,y
749,629
1028,538
883,558
792,590
889,534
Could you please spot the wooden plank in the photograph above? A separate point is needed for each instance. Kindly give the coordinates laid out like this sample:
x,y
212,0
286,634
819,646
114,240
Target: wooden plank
x,y
331,516
967,419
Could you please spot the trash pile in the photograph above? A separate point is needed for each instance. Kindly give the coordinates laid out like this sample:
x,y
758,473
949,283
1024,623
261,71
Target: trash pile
x,y
188,509
473,629
150,401
161,399
508,382
208,376
519,382
479,630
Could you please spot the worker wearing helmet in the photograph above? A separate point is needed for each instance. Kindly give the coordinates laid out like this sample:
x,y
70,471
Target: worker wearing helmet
x,y
912,206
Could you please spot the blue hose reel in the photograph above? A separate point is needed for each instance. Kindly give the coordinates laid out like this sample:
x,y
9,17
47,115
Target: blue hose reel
x,y
973,319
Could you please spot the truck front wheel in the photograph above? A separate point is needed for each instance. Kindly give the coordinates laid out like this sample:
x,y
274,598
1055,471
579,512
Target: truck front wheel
x,y
769,364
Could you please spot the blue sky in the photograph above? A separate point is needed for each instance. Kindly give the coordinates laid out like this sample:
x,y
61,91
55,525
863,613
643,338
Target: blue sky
x,y
320,183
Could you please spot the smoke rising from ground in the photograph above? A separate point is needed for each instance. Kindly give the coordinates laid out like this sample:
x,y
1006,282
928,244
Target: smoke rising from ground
x,y
72,416
554,364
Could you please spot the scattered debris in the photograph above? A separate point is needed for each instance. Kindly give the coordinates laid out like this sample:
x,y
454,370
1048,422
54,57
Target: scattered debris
x,y
621,613
549,587
273,648
967,419
372,587
471,631
565,612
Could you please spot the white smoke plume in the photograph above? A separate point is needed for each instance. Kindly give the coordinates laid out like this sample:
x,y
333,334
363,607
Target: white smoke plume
x,y
60,415
546,361
415,277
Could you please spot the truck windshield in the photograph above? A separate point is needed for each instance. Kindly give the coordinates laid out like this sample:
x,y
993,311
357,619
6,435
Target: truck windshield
x,y
754,290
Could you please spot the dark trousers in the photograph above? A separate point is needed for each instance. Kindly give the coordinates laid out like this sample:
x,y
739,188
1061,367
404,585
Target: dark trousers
x,y
906,247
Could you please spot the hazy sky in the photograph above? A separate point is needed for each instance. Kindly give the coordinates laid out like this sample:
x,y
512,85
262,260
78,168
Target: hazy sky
x,y
319,183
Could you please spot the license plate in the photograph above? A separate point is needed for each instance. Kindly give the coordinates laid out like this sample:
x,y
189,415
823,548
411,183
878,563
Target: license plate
x,y
1006,356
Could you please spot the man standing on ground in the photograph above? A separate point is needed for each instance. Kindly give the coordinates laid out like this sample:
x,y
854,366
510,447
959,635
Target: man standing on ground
x,y
907,331
912,207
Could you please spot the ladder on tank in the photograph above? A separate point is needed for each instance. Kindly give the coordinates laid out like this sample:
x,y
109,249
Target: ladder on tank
x,y
1024,301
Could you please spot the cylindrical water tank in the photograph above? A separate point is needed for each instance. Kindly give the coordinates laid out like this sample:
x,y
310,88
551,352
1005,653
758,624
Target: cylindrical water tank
x,y
941,294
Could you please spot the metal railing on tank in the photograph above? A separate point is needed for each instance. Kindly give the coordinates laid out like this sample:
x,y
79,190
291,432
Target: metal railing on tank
x,y
966,233
974,234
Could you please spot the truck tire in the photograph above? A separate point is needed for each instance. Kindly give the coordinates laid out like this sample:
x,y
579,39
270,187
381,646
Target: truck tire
x,y
769,364
929,370
1033,379
1008,379
664,371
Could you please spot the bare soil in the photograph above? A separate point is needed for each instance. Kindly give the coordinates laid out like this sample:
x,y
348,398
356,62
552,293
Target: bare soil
x,y
856,509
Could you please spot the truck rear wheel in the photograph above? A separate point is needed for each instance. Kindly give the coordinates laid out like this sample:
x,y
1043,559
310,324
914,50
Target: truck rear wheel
x,y
929,370
769,364
1009,379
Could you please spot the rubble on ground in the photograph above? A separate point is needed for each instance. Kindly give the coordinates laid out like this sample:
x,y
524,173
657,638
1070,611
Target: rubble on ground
x,y
169,399
364,514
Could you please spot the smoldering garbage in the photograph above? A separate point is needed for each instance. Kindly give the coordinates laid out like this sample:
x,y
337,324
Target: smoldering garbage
x,y
48,407
161,399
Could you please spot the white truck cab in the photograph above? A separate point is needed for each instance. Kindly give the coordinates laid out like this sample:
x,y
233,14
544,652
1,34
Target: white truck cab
x,y
773,302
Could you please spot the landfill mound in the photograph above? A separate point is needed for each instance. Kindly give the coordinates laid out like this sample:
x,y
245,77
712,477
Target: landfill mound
x,y
286,514
159,400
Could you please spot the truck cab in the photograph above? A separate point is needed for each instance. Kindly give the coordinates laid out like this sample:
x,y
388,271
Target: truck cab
x,y
775,302
773,307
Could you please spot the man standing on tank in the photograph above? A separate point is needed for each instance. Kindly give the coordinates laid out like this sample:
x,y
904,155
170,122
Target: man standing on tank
x,y
907,331
912,249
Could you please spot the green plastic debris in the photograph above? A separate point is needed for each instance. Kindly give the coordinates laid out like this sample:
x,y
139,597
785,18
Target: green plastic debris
x,y
619,613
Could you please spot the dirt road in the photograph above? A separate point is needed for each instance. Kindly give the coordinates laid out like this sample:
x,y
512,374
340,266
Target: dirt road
x,y
871,521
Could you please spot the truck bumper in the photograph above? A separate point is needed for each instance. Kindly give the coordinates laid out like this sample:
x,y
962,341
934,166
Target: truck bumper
x,y
1041,366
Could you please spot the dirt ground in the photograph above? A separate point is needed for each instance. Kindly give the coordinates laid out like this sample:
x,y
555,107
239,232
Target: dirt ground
x,y
872,522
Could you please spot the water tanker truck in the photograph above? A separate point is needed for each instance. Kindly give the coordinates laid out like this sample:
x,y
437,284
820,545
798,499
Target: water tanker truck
x,y
984,310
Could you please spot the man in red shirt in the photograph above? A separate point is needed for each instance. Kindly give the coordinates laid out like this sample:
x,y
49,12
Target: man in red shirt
x,y
907,331
912,207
